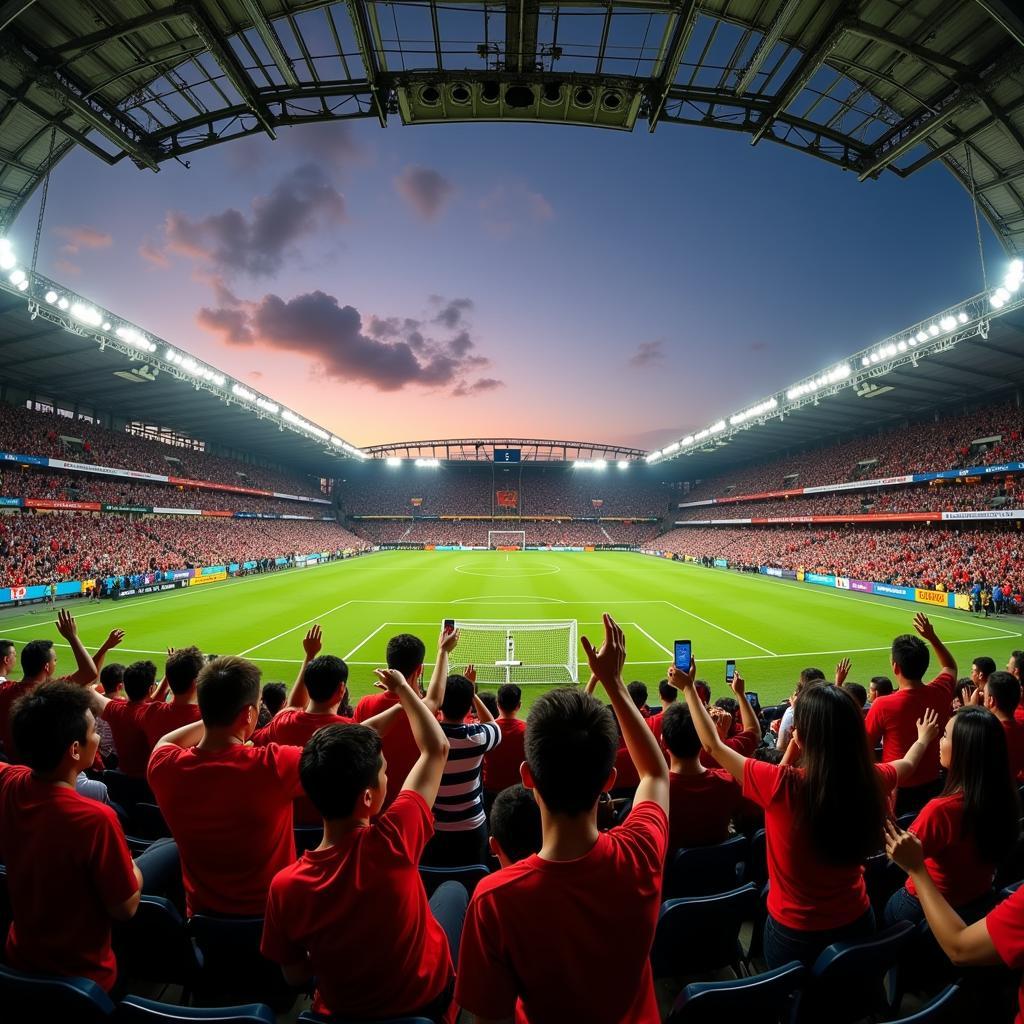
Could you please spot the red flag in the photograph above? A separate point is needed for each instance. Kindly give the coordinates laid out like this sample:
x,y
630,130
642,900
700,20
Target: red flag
x,y
508,499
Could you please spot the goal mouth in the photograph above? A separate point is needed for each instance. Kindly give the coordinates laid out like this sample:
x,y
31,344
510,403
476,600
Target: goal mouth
x,y
527,652
506,540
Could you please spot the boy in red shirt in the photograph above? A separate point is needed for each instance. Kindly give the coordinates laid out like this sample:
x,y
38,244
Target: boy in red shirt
x,y
1002,698
353,913
158,717
228,804
69,870
515,827
669,694
586,906
125,717
501,765
893,719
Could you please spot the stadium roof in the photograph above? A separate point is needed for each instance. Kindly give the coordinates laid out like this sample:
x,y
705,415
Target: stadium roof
x,y
868,85
482,449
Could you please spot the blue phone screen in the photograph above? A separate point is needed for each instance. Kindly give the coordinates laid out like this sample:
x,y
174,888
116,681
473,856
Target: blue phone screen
x,y
683,655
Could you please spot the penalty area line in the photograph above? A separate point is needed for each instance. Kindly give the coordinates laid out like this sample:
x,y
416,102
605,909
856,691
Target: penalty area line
x,y
721,629
308,622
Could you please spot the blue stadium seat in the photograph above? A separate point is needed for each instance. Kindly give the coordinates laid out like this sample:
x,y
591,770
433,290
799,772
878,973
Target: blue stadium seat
x,y
155,946
147,821
852,980
705,870
702,933
944,1007
47,997
127,790
136,1010
756,869
767,998
6,914
308,1017
882,879
467,874
906,820
1007,891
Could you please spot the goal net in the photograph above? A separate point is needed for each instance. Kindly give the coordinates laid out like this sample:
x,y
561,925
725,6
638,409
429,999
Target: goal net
x,y
506,540
518,651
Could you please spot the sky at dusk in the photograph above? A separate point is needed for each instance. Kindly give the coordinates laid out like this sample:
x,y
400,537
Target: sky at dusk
x,y
529,281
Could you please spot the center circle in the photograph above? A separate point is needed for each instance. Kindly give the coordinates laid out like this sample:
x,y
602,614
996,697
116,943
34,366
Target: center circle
x,y
509,574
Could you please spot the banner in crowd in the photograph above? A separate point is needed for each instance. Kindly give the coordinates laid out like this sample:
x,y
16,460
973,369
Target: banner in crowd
x,y
212,578
508,499
873,517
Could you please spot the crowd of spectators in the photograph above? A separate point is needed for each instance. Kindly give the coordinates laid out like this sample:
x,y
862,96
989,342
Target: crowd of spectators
x,y
474,533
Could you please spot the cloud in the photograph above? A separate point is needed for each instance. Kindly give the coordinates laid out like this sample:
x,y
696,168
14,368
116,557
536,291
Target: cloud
x,y
758,346
153,255
83,237
388,354
333,144
231,242
451,314
648,353
425,190
478,386
67,267
508,209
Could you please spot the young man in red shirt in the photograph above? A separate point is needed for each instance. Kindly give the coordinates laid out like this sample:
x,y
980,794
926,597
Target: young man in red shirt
x,y
515,827
669,694
893,719
586,906
125,718
501,765
227,803
353,913
70,874
1002,698
158,717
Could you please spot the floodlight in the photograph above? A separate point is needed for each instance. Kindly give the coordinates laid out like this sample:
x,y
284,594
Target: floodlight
x,y
428,463
902,346
623,464
23,287
7,259
51,296
62,303
393,460
921,336
864,361
653,456
16,276
962,317
670,448
106,327
933,330
1017,268
913,343
948,323
600,464
996,301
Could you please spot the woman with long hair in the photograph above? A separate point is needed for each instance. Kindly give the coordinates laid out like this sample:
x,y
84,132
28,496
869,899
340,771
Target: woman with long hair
x,y
823,818
972,826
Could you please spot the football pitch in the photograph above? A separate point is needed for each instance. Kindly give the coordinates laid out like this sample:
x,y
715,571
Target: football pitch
x,y
772,628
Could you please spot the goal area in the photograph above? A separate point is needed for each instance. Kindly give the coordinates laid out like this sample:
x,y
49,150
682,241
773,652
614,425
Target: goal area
x,y
525,651
506,540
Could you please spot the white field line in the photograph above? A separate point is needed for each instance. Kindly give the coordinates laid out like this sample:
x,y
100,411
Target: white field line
x,y
365,641
649,637
721,629
308,622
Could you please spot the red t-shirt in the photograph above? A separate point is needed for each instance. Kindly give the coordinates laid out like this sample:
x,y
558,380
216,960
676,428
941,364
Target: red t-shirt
x,y
67,861
230,813
157,718
701,807
396,960
893,720
744,743
626,774
952,859
295,726
805,893
10,691
655,723
398,746
125,720
1015,747
1005,926
501,765
569,940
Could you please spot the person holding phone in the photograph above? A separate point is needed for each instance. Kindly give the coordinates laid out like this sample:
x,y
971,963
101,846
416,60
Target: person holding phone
x,y
747,740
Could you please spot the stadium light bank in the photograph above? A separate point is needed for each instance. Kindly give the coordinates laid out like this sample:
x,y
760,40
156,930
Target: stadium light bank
x,y
939,333
79,316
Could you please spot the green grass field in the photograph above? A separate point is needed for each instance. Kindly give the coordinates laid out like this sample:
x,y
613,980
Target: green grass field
x,y
773,628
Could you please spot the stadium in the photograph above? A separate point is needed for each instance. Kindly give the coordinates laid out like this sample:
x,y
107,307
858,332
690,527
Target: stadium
x,y
301,721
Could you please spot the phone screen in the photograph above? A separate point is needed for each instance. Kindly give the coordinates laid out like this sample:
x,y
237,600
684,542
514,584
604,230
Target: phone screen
x,y
449,625
683,655
730,670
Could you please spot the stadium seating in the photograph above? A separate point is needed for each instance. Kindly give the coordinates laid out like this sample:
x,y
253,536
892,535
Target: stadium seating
x,y
136,1010
155,946
468,875
941,1009
39,997
705,870
767,997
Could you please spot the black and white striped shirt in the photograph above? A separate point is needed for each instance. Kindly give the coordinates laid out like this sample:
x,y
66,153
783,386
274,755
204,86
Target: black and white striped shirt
x,y
459,806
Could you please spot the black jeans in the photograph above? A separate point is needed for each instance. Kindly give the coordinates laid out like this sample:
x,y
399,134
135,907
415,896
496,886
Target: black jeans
x,y
782,944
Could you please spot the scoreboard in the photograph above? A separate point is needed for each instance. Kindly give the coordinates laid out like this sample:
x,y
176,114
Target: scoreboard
x,y
507,454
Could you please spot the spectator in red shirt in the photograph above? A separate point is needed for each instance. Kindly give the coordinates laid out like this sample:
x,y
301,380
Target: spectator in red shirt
x,y
997,938
586,906
1002,698
880,686
638,693
1015,666
744,742
669,695
501,765
821,823
125,717
8,659
227,803
69,870
981,669
111,685
892,719
972,827
157,718
397,961
515,825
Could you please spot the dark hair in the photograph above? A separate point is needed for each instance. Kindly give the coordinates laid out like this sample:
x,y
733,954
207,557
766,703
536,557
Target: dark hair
x,y
858,693
273,696
458,698
35,656
730,704
810,675
703,691
769,754
111,677
338,764
139,676
1017,657
637,693
882,684
571,741
406,653
965,690
183,668
47,720
986,666
1004,689
979,769
325,676
489,701
679,732
226,687
910,655
6,646
667,692
843,803
509,697
515,823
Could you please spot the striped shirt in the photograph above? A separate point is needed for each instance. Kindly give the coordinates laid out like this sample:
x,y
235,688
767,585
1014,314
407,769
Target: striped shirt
x,y
459,806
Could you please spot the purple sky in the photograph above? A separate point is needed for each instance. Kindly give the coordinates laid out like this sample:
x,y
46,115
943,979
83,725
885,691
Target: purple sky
x,y
541,281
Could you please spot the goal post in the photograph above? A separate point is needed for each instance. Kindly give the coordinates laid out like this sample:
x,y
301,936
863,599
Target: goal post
x,y
523,651
506,540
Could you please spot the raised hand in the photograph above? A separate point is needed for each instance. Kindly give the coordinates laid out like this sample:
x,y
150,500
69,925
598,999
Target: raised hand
x,y
722,720
903,848
928,727
842,671
739,687
448,640
924,627
313,643
680,679
66,625
114,638
389,679
607,662
471,674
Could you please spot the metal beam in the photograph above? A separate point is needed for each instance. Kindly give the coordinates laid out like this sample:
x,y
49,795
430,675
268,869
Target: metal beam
x,y
11,9
360,25
1007,16
771,36
680,25
265,30
522,21
922,53
120,30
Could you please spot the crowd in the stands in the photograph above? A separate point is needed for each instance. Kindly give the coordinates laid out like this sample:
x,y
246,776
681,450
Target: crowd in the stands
x,y
475,534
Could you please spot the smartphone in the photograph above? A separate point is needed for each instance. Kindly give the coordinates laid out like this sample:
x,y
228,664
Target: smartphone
x,y
754,701
683,655
730,670
449,625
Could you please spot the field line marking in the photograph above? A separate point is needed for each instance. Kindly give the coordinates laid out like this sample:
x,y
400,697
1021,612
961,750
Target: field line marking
x,y
637,625
722,629
364,642
277,636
